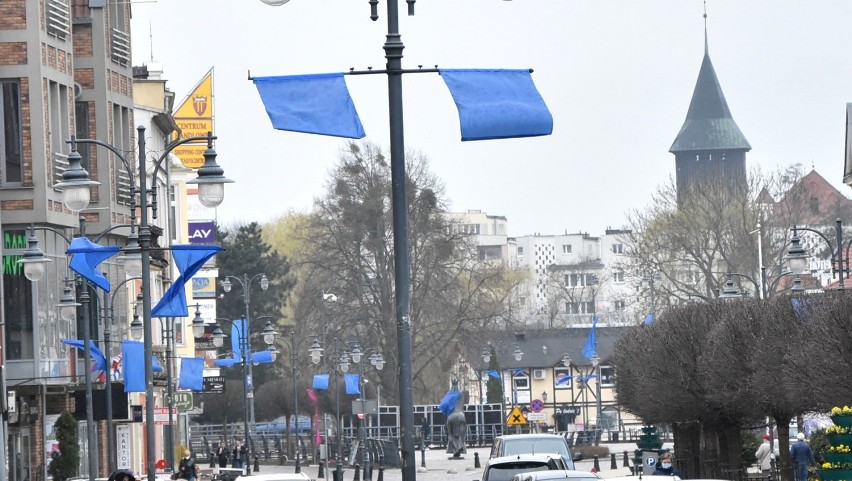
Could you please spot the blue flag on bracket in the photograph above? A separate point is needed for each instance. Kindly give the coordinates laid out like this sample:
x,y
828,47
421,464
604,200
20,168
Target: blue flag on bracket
x,y
351,381
133,357
189,259
497,104
313,104
649,319
98,358
85,257
191,373
320,382
590,350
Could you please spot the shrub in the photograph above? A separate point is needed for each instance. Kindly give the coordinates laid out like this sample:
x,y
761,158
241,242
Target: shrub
x,y
63,465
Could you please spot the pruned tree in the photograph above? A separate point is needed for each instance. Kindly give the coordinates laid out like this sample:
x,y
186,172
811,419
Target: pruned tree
x,y
65,463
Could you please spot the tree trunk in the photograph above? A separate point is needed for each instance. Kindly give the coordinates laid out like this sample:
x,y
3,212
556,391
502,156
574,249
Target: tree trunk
x,y
730,451
785,468
687,437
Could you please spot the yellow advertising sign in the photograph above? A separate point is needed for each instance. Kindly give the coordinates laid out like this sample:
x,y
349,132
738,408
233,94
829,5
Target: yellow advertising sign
x,y
194,117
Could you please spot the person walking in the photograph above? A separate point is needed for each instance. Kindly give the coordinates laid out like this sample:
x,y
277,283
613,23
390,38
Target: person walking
x,y
187,468
802,456
236,459
666,468
764,455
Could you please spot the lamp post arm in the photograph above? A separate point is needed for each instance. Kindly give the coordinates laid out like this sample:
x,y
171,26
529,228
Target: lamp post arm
x,y
795,228
117,226
109,147
33,228
751,279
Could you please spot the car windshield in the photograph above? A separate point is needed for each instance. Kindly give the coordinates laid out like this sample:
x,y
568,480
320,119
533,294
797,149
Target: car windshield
x,y
506,471
533,446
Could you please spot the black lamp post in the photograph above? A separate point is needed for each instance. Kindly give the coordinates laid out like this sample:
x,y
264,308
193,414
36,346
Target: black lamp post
x,y
797,257
245,354
75,187
393,53
377,361
295,373
517,354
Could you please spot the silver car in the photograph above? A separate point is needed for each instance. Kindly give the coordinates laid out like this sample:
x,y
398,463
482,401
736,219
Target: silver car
x,y
504,468
532,444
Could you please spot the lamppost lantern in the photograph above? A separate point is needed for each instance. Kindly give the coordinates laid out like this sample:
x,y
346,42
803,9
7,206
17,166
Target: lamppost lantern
x,y
67,305
226,285
33,259
356,353
730,291
268,334
132,257
566,360
344,362
75,182
315,351
136,327
264,282
518,354
544,396
377,360
211,179
197,323
797,258
486,355
275,3
218,336
595,361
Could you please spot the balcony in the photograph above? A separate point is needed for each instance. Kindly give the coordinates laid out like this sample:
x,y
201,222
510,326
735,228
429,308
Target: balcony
x,y
58,18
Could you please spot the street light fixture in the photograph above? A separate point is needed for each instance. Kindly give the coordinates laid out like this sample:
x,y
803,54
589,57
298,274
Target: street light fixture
x,y
75,187
377,361
797,258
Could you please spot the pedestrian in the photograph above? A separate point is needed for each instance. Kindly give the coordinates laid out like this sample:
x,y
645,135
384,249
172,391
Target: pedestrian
x,y
765,455
802,456
244,460
222,454
188,469
424,432
236,460
666,468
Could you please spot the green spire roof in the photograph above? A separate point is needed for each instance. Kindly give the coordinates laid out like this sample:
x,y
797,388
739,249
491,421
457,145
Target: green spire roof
x,y
709,125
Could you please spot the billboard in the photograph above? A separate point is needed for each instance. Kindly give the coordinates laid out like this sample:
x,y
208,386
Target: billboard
x,y
194,117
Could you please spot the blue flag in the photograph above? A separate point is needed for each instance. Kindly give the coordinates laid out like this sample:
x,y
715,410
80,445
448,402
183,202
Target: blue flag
x,y
649,319
155,365
493,374
448,403
320,382
239,334
261,357
227,362
313,104
189,259
351,381
498,104
590,350
85,257
191,373
133,357
98,358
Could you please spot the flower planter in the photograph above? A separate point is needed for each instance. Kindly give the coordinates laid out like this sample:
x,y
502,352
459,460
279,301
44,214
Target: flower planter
x,y
838,439
837,457
845,421
835,474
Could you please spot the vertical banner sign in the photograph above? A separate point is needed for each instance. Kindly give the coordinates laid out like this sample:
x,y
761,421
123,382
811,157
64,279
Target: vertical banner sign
x,y
122,446
194,117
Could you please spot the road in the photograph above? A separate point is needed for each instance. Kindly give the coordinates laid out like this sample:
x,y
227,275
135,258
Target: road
x,y
440,468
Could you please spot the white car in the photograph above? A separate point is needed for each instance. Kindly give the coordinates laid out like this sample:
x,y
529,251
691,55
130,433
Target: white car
x,y
504,468
556,475
276,477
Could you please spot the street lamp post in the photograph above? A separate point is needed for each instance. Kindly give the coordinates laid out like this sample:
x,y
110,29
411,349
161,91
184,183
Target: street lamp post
x,y
798,258
517,354
246,359
378,362
584,379
293,358
75,187
393,48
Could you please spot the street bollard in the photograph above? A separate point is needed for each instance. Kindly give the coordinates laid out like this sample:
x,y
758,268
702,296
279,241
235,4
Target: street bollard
x,y
613,464
212,460
357,473
381,472
368,472
338,474
256,464
476,463
597,464
626,461
321,472
422,458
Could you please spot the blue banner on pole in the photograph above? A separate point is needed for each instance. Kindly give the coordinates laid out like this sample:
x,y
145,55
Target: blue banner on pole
x,y
189,259
98,358
85,257
133,357
497,103
191,373
590,350
320,382
351,381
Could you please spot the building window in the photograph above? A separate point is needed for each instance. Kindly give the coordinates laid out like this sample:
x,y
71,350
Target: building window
x,y
563,378
10,132
58,18
566,248
81,123
584,307
618,305
580,280
618,277
814,205
521,381
18,296
520,251
607,376
618,248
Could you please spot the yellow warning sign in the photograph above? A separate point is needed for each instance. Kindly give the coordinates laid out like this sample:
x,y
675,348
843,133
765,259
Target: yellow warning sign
x,y
194,117
516,418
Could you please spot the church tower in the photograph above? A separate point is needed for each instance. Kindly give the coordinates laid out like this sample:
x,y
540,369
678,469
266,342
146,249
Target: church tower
x,y
710,149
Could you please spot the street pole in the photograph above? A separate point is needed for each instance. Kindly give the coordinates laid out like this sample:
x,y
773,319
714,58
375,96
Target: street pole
x,y
108,390
91,437
170,391
295,396
243,340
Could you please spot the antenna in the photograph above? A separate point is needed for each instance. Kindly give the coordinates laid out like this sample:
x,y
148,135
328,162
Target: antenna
x,y
151,38
705,28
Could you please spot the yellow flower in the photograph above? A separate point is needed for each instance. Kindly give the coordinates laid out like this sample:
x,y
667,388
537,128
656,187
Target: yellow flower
x,y
826,465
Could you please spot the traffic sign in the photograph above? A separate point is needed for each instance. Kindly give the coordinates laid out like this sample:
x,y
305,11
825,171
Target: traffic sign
x,y
516,418
183,400
536,405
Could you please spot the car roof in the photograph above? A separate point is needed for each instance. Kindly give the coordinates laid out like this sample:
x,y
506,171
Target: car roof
x,y
645,477
275,477
543,457
529,436
559,474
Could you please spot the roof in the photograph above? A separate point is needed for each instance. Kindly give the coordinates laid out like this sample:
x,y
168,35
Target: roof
x,y
709,125
544,348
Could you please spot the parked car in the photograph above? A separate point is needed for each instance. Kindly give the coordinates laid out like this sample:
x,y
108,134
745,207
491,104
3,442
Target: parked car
x,y
504,468
276,477
279,425
556,475
532,444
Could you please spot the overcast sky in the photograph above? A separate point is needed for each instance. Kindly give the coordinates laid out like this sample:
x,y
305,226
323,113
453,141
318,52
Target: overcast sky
x,y
617,76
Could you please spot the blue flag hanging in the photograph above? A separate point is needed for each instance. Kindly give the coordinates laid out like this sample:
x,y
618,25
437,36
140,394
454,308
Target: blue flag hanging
x,y
493,374
191,373
189,259
497,104
98,358
261,357
590,350
313,104
155,365
351,381
85,257
320,382
649,319
449,401
133,357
